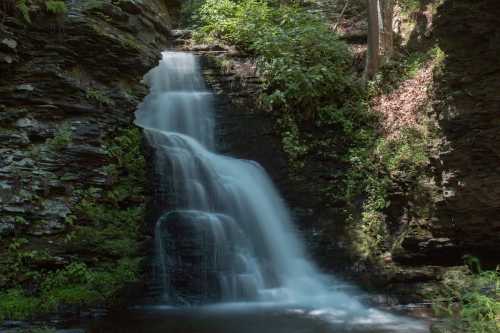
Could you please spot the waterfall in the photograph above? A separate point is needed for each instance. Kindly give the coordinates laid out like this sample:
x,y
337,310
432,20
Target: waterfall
x,y
227,218
224,235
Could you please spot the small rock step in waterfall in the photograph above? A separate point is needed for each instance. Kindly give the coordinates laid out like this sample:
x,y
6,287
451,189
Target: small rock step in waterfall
x,y
226,234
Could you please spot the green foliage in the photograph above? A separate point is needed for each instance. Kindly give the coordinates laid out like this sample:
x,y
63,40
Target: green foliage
x,y
404,156
304,65
113,224
56,6
189,11
76,284
111,241
376,166
71,286
62,138
305,70
96,95
472,299
14,304
125,149
17,262
291,141
22,6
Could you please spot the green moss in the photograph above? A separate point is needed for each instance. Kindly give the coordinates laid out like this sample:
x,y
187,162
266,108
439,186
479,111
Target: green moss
x,y
110,241
16,305
17,262
113,224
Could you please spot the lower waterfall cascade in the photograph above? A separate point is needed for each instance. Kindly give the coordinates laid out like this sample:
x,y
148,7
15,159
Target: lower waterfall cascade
x,y
225,235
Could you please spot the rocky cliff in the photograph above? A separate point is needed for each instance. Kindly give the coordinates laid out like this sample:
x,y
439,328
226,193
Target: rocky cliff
x,y
469,160
70,160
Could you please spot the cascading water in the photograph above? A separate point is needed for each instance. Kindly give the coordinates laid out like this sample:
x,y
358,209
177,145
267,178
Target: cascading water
x,y
226,234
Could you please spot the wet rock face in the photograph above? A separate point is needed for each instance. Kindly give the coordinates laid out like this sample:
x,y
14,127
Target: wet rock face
x,y
243,129
469,163
190,258
67,86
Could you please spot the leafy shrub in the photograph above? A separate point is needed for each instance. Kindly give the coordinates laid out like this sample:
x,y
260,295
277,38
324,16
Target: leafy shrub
x,y
304,65
473,299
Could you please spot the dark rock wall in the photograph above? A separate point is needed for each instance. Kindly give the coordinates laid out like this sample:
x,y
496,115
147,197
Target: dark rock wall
x,y
469,114
68,85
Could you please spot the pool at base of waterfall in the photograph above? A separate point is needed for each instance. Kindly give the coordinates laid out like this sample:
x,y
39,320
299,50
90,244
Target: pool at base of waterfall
x,y
251,318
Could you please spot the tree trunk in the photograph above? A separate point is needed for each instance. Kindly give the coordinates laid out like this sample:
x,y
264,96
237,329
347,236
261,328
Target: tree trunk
x,y
380,36
373,52
388,35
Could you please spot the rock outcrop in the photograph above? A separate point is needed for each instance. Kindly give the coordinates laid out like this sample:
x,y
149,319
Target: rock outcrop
x,y
469,162
69,85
